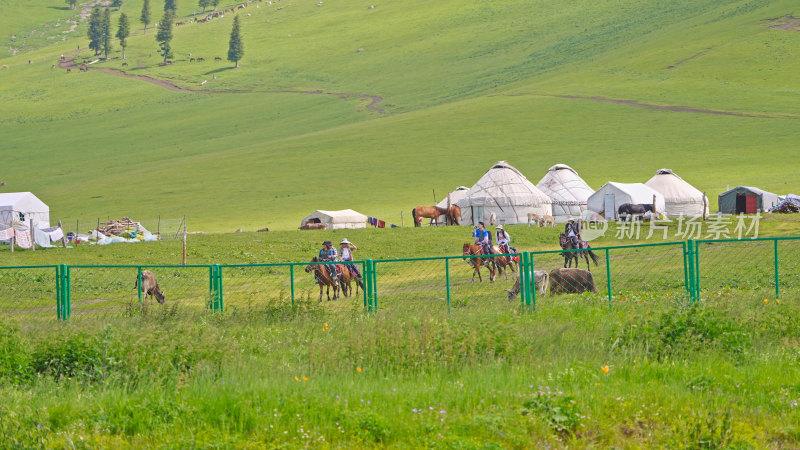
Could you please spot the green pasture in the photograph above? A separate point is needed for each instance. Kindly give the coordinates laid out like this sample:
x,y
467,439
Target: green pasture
x,y
463,86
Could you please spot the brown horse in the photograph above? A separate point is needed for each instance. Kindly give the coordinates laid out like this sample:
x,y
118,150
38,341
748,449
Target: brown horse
x,y
346,279
476,263
566,244
454,215
430,212
503,263
322,275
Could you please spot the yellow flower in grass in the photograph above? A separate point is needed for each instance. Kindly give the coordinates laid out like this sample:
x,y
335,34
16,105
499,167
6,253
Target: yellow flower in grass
x,y
305,378
605,369
777,300
766,300
296,378
358,369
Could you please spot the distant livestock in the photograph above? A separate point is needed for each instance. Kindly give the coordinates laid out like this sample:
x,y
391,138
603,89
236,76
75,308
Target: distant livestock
x,y
150,287
314,226
636,210
571,281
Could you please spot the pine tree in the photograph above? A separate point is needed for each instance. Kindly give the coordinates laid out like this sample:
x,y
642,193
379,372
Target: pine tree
x,y
145,19
105,38
214,3
123,32
116,4
236,47
164,35
95,33
171,5
204,4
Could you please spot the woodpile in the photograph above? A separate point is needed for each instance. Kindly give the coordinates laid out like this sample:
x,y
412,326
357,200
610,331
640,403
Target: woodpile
x,y
117,227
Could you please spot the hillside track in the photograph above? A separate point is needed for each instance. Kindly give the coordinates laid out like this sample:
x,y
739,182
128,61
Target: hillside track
x,y
70,64
674,108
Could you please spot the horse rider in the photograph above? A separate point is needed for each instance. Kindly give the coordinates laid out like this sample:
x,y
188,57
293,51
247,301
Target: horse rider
x,y
483,238
572,231
328,253
503,239
346,249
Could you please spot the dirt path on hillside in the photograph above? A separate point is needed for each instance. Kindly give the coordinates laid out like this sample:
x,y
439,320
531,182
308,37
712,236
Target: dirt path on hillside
x,y
70,64
696,55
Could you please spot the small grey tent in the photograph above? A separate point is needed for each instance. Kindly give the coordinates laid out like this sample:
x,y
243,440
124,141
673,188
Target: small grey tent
x,y
746,200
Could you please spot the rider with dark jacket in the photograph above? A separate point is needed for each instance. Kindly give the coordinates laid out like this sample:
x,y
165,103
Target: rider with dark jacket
x,y
573,231
328,253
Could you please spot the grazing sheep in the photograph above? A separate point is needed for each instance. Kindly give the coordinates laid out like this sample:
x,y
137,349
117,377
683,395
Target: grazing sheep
x,y
150,287
534,218
548,221
540,280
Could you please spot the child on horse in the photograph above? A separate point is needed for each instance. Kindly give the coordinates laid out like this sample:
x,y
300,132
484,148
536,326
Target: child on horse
x,y
346,254
328,253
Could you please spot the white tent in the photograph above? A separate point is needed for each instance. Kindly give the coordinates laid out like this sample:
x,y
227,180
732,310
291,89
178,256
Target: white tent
x,y
504,191
567,190
611,196
346,218
455,196
23,207
680,197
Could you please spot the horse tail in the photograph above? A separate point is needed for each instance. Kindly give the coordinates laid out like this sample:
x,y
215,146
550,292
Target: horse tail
x,y
414,215
593,256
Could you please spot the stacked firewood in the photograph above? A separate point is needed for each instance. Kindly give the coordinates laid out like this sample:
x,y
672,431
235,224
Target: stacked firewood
x,y
787,208
117,227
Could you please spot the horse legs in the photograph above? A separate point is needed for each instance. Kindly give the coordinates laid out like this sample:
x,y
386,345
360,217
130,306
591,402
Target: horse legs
x,y
320,292
588,266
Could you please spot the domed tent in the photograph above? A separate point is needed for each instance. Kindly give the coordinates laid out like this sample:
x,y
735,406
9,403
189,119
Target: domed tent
x,y
746,200
567,190
23,207
455,196
611,196
504,191
680,197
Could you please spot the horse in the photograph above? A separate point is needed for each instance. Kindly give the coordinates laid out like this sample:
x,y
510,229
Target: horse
x,y
430,212
454,214
503,262
322,275
150,287
566,244
476,263
346,279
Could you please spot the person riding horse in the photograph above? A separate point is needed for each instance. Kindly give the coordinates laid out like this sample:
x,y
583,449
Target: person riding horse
x,y
503,239
572,230
328,253
346,254
483,238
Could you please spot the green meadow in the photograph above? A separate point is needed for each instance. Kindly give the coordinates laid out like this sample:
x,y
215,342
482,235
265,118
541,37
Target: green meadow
x,y
462,86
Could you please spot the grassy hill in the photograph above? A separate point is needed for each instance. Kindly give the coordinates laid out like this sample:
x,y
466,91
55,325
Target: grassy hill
x,y
462,86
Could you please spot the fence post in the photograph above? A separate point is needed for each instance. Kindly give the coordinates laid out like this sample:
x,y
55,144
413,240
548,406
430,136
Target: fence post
x,y
608,277
696,270
139,285
447,278
686,270
58,292
532,277
291,281
370,285
777,276
364,283
690,258
374,286
219,304
66,288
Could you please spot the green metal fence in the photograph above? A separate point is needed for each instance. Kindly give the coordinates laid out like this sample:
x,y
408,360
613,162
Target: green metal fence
x,y
683,271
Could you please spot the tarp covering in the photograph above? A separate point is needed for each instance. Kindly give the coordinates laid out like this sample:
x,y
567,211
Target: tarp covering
x,y
22,207
567,190
680,197
504,191
728,200
634,193
346,218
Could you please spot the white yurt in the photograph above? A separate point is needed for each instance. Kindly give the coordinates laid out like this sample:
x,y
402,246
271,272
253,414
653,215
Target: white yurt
x,y
22,207
336,220
504,191
455,196
680,197
611,196
567,190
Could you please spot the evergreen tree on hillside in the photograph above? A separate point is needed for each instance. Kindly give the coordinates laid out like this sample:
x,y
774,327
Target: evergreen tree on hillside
x,y
116,4
164,35
106,31
145,18
236,47
204,4
171,5
95,32
123,32
214,3
72,3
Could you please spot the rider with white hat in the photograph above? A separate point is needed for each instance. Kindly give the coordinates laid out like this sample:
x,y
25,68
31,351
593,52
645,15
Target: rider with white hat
x,y
503,239
346,254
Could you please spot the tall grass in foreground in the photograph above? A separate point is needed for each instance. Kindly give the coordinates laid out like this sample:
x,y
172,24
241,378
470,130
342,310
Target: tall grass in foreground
x,y
656,373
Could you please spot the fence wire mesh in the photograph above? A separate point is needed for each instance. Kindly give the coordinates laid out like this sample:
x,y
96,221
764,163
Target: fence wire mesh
x,y
28,293
736,269
789,267
109,290
648,273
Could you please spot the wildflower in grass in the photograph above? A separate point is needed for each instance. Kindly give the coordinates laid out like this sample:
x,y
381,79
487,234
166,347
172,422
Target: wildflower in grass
x,y
296,378
442,412
605,369
305,378
766,301
777,300
414,410
358,369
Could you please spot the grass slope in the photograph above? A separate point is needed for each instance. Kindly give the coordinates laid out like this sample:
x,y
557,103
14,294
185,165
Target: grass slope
x,y
463,86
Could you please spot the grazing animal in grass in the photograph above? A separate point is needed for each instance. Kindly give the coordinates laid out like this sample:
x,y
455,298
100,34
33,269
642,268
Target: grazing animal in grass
x,y
83,68
150,287
454,214
571,281
548,221
314,226
534,218
217,58
540,279
630,210
430,212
